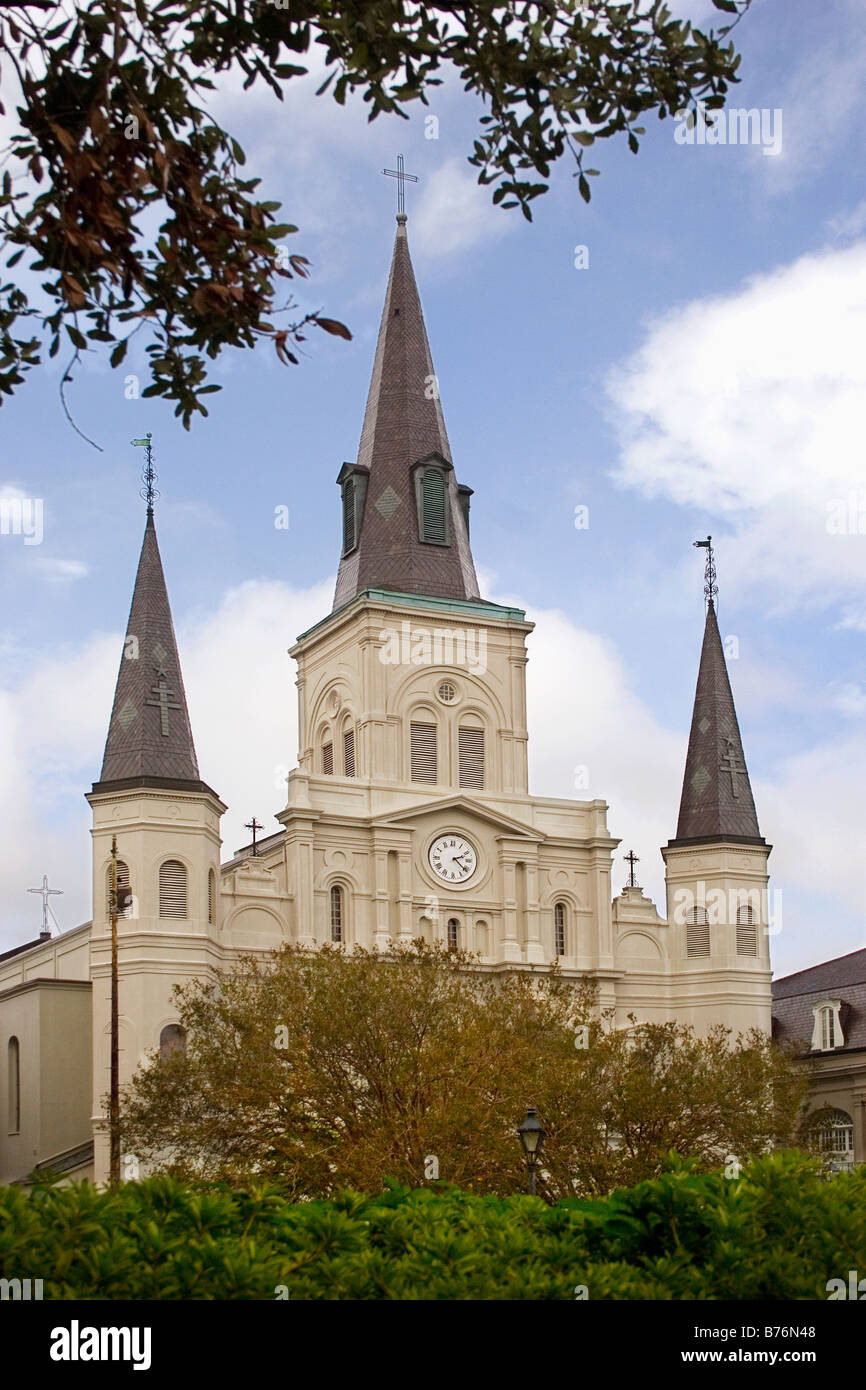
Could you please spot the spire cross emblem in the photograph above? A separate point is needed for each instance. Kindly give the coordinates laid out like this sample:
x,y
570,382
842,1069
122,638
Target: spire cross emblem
x,y
401,176
631,859
163,702
732,763
254,826
45,893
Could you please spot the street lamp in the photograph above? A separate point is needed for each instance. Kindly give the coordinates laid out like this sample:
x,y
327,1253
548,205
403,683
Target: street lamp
x,y
532,1138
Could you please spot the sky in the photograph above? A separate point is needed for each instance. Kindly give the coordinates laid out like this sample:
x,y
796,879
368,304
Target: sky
x,y
697,368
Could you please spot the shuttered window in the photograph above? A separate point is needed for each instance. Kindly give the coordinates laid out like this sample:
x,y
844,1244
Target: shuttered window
x,y
697,933
122,882
172,889
471,757
348,515
434,495
211,896
747,935
349,752
328,759
337,915
559,929
423,749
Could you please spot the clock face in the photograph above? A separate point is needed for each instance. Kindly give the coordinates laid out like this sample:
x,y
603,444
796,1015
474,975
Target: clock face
x,y
452,858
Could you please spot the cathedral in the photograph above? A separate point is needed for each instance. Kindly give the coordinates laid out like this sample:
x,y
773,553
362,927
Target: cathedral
x,y
408,814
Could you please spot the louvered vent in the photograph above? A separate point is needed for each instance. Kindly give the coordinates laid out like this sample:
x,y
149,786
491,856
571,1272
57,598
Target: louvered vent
x,y
698,933
122,882
211,897
433,497
349,752
423,741
471,757
328,759
348,515
172,889
747,935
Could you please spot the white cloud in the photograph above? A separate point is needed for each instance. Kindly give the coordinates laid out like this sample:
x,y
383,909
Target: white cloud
x,y
752,408
60,571
454,213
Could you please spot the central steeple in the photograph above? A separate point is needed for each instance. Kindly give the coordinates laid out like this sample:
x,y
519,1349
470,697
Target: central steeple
x,y
405,517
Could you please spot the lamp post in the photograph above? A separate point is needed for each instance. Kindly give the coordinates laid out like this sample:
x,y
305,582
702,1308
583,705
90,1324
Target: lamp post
x,y
531,1137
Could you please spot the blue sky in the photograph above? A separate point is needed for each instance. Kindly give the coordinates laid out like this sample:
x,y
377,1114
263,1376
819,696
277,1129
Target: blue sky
x,y
706,372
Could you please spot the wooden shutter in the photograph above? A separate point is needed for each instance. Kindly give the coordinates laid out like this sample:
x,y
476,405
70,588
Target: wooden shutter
x,y
433,500
471,757
747,935
172,889
698,933
328,759
349,752
423,748
348,515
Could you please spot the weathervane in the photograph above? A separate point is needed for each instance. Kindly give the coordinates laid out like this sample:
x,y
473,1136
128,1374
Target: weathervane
x,y
401,176
45,893
148,477
631,859
254,826
711,588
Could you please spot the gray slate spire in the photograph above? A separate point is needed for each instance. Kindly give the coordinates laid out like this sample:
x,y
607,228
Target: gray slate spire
x,y
404,424
717,801
149,736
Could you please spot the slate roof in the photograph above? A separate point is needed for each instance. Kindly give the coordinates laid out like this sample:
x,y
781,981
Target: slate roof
x,y
403,424
149,735
717,801
794,997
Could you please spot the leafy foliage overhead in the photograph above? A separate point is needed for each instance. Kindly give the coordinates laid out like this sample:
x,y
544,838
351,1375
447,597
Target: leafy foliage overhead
x,y
114,139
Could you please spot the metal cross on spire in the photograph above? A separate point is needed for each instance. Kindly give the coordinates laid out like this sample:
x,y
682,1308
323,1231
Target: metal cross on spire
x,y
254,826
401,176
148,478
45,893
631,859
711,588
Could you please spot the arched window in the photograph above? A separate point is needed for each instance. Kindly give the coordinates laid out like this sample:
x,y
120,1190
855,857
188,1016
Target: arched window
x,y
172,1039
14,1093
422,751
211,897
349,750
747,935
833,1133
453,933
470,750
122,882
172,889
328,758
337,914
697,932
433,505
559,929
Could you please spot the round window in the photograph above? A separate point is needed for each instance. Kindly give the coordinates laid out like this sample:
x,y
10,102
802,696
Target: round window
x,y
447,693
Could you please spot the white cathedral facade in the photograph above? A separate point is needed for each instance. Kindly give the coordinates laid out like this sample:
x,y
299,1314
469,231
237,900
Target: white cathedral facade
x,y
408,815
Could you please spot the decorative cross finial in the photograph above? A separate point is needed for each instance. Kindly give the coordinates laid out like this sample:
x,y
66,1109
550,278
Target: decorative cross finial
x,y
631,859
401,176
254,826
148,477
711,588
45,893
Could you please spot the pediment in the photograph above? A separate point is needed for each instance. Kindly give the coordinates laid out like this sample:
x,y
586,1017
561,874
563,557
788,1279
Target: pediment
x,y
468,807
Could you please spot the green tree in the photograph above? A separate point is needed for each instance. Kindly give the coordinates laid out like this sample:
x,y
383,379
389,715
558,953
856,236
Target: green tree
x,y
321,1070
113,128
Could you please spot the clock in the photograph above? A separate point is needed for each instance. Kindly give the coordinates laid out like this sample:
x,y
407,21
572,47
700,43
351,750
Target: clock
x,y
452,858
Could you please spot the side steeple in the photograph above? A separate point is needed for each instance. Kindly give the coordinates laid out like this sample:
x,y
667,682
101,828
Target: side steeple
x,y
717,801
405,517
149,736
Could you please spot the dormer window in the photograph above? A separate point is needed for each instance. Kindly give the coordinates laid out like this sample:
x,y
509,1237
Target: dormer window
x,y
353,484
827,1032
431,493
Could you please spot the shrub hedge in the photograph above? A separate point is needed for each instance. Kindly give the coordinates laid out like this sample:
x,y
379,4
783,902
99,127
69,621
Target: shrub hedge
x,y
778,1231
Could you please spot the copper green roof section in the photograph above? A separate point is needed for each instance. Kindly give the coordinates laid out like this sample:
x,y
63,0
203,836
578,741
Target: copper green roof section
x,y
717,801
149,735
403,425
